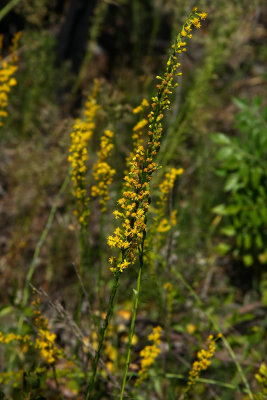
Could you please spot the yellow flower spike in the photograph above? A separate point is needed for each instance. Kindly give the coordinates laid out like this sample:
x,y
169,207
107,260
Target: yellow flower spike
x,y
140,125
161,224
102,172
164,226
78,155
141,162
261,378
203,362
7,71
149,354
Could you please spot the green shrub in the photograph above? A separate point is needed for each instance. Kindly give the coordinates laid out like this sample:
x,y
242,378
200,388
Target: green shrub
x,y
243,168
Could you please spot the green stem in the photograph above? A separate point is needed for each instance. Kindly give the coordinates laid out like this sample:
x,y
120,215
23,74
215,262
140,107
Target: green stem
x,y
102,335
84,263
217,328
8,7
100,267
134,312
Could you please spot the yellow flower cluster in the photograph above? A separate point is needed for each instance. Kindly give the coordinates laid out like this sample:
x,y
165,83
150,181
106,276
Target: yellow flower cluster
x,y
45,343
102,172
13,377
138,130
174,218
78,157
141,107
135,199
149,354
193,21
261,377
161,224
8,68
167,185
134,206
11,337
203,362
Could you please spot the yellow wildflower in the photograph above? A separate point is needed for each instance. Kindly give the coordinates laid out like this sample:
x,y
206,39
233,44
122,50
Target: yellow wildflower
x,y
78,157
149,354
202,15
164,226
161,224
141,107
261,378
7,70
135,199
45,343
203,362
102,172
174,218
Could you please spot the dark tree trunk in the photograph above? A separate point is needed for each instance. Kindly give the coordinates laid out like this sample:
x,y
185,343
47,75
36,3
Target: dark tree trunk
x,y
73,34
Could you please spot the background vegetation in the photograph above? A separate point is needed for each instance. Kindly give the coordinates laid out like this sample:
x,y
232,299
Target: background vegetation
x,y
205,273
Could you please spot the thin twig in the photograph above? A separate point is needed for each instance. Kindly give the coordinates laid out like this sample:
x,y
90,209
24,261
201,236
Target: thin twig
x,y
8,7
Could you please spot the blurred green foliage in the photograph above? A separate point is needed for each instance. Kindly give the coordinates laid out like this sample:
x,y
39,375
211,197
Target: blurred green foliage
x,y
243,168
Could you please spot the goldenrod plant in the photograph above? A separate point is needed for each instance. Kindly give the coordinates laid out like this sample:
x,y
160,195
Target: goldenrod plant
x,y
203,361
131,282
129,238
261,377
102,172
149,354
78,158
8,67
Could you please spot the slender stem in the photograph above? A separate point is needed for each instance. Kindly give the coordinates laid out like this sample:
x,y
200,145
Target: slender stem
x,y
100,266
102,335
8,7
217,328
134,312
84,263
